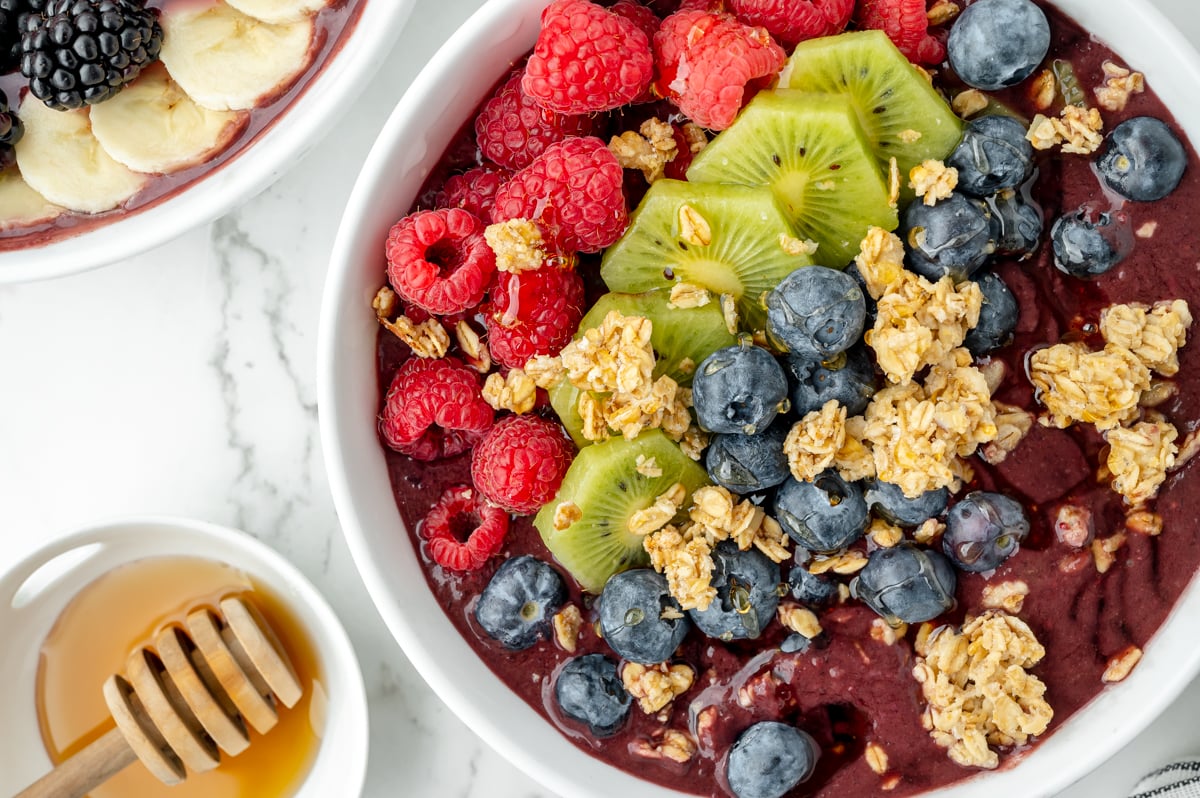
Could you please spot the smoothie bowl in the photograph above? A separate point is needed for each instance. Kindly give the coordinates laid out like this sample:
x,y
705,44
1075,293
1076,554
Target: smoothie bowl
x,y
127,122
873,472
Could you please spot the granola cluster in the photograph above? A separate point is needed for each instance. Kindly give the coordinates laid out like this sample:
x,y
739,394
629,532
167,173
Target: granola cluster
x,y
428,339
1154,334
1119,84
1139,458
933,181
649,149
1075,384
1077,129
978,690
655,686
517,244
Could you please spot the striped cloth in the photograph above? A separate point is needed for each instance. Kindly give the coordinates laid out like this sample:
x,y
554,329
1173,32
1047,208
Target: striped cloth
x,y
1180,779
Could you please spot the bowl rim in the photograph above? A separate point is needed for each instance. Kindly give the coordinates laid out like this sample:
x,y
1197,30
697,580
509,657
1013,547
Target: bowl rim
x,y
259,164
1114,717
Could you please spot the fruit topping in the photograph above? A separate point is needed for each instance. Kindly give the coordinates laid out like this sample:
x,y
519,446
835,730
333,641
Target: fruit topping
x,y
997,316
825,515
11,12
952,238
516,606
474,190
983,530
707,61
639,619
906,584
847,378
462,530
589,690
11,130
748,463
769,759
993,155
573,189
587,59
1143,159
906,23
512,129
998,43
1016,223
813,590
439,260
532,313
816,313
1089,242
520,462
276,11
434,409
746,595
889,502
792,21
739,389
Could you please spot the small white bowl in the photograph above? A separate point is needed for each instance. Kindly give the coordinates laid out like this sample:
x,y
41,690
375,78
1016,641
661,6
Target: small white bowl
x,y
259,164
35,591
436,105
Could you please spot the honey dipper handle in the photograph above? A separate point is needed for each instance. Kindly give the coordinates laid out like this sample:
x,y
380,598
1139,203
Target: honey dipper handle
x,y
86,770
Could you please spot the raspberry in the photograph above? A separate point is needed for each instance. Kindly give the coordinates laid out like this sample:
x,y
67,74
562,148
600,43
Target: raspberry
x,y
587,59
512,129
905,23
434,409
793,21
474,190
573,190
707,60
462,530
521,462
646,20
533,313
440,260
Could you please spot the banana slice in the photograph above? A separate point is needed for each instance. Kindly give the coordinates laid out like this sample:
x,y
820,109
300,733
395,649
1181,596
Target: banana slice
x,y
21,206
227,60
152,126
276,11
61,159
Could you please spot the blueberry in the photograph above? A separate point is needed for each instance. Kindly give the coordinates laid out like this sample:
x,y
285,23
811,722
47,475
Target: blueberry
x,y
639,619
848,378
748,463
997,318
738,389
1016,223
983,530
825,515
816,312
516,606
746,583
769,759
872,309
813,590
992,155
890,503
952,238
906,584
1088,242
589,690
1142,160
998,43
795,644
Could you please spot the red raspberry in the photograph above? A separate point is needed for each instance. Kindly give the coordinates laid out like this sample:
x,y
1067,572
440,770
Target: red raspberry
x,y
707,60
573,190
533,313
462,530
643,17
521,462
793,21
440,260
587,59
434,409
905,23
512,129
474,190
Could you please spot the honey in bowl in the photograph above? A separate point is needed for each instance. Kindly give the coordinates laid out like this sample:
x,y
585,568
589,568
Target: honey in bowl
x,y
124,610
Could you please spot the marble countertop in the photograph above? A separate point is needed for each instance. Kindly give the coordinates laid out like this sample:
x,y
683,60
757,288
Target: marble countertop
x,y
183,382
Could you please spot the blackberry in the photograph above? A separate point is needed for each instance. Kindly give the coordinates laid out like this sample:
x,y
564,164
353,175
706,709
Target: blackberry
x,y
11,131
81,52
10,32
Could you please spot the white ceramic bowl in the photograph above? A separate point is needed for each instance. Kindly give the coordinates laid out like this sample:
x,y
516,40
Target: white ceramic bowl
x,y
35,591
438,102
259,164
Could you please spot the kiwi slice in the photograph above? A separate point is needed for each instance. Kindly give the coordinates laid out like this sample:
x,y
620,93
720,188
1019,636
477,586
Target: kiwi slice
x,y
744,256
604,483
813,154
903,115
679,335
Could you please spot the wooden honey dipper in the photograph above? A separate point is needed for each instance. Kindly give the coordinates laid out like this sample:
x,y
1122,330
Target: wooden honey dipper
x,y
178,704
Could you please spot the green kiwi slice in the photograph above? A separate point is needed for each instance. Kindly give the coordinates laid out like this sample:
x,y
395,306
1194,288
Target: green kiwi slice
x,y
903,115
745,254
679,335
813,154
604,483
